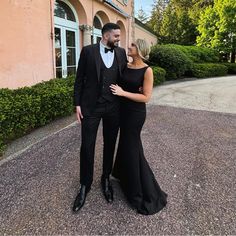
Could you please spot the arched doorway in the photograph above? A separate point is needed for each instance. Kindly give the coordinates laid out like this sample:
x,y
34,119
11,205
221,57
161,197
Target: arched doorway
x,y
66,38
123,34
97,30
99,20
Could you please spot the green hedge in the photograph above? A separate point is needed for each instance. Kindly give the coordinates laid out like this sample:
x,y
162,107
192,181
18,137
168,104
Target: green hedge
x,y
29,107
172,59
209,70
179,61
2,146
198,54
159,75
231,68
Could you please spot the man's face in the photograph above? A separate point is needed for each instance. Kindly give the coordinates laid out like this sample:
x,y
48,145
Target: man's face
x,y
113,38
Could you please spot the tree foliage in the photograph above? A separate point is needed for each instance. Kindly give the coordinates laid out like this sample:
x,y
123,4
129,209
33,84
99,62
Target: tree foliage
x,y
157,14
175,21
208,23
142,16
217,27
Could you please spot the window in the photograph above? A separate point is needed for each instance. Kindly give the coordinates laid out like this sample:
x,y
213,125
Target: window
x,y
97,30
66,39
62,10
97,23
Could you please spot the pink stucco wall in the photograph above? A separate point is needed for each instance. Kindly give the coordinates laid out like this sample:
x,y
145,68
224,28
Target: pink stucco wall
x,y
87,9
26,53
27,36
141,33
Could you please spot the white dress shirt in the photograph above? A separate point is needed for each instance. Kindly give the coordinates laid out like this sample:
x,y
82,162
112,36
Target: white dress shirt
x,y
108,57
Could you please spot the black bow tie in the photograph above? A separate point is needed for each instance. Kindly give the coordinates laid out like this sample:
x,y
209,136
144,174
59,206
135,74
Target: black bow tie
x,y
108,49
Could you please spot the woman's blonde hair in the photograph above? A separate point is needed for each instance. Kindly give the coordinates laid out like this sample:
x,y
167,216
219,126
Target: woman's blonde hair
x,y
143,48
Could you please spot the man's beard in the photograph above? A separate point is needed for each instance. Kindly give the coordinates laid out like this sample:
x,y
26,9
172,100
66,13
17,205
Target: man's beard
x,y
112,44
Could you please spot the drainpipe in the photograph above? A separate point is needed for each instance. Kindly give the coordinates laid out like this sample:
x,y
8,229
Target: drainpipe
x,y
52,36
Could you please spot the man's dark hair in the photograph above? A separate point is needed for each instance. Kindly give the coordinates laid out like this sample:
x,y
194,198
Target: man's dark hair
x,y
109,26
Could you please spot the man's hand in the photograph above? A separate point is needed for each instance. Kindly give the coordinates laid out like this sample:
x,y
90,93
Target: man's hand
x,y
79,114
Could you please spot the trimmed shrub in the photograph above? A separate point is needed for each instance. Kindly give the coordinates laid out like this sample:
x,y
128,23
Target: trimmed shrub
x,y
2,146
18,115
208,70
231,68
158,74
173,60
56,100
26,108
198,54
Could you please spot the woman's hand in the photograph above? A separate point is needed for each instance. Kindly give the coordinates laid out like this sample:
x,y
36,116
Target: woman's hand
x,y
117,90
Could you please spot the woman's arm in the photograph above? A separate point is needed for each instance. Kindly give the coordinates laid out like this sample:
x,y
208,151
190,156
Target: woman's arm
x,y
137,97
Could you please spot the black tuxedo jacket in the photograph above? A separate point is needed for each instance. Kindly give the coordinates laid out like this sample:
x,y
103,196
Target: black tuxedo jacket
x,y
87,82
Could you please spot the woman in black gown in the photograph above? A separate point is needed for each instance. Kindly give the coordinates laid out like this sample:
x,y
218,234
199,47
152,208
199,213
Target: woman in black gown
x,y
131,168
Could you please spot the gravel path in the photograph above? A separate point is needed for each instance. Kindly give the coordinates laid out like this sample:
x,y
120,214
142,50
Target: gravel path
x,y
192,154
211,94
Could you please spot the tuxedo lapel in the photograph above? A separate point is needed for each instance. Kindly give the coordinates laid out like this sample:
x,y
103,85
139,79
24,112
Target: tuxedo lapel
x,y
118,58
96,50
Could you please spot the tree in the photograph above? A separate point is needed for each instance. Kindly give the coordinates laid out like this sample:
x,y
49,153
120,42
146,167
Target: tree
x,y
217,27
169,26
142,16
172,22
176,21
187,32
198,6
157,14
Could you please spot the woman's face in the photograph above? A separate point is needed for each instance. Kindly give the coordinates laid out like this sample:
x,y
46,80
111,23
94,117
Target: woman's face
x,y
132,50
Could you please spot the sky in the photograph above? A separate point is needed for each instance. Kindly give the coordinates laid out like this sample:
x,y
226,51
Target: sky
x,y
145,4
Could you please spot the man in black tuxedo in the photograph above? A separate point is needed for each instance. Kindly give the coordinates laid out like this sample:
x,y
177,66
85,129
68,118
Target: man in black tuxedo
x,y
100,65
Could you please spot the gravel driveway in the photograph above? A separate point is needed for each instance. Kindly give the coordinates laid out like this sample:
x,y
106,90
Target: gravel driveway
x,y
192,153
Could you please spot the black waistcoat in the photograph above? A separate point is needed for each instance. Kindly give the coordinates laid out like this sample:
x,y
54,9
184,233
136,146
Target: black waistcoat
x,y
108,76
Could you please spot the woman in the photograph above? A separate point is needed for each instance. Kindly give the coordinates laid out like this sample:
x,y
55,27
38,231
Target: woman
x,y
131,168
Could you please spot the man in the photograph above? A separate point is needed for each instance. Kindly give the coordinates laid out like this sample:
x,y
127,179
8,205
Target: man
x,y
100,65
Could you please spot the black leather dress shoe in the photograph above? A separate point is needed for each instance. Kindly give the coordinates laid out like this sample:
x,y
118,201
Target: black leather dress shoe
x,y
80,199
107,189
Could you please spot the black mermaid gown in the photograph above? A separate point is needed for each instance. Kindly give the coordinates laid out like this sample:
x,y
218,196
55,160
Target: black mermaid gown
x,y
131,168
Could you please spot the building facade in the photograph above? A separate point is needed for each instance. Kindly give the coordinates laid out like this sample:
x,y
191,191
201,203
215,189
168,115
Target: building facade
x,y
41,40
